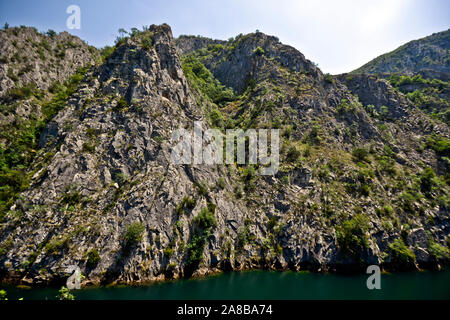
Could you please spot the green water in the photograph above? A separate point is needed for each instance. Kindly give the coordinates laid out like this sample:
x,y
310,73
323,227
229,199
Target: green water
x,y
268,285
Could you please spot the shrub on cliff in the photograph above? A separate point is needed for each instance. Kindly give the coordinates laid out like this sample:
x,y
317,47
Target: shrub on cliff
x,y
133,234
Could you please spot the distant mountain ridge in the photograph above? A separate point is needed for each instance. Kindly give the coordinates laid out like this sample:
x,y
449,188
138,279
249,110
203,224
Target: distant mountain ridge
x,y
429,53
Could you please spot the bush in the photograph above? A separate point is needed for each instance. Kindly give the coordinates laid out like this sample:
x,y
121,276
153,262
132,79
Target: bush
x,y
23,92
55,246
205,219
386,211
438,251
202,188
169,251
203,80
360,155
93,258
216,119
401,255
71,197
195,249
88,147
258,51
314,135
106,52
293,154
427,181
352,236
64,294
244,236
407,202
186,203
221,183
345,106
439,144
146,42
133,234
248,178
121,104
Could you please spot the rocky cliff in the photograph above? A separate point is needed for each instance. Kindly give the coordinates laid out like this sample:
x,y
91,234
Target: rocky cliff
x,y
361,181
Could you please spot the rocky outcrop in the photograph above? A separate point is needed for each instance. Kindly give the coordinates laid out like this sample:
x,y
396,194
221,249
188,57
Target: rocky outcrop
x,y
187,44
27,56
235,62
377,92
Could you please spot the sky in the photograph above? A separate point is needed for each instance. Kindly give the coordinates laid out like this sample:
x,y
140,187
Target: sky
x,y
339,36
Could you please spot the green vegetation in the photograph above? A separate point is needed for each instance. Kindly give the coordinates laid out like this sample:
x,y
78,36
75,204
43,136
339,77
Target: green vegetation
x,y
204,222
258,51
23,137
293,154
401,256
345,106
169,251
71,197
439,144
93,258
133,235
438,251
425,53
360,155
248,177
187,203
205,219
57,245
429,95
352,235
244,236
201,188
64,294
221,183
428,181
203,80
328,78
195,249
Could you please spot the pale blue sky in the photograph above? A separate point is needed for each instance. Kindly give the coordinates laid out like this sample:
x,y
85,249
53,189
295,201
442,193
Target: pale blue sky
x,y
338,35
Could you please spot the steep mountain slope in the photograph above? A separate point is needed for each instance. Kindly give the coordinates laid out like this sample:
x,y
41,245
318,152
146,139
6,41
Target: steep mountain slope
x,y
38,73
357,183
28,56
431,52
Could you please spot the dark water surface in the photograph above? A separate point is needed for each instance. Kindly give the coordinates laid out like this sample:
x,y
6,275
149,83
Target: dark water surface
x,y
267,285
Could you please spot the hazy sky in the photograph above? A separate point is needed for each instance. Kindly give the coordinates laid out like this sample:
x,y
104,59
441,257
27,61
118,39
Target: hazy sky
x,y
338,35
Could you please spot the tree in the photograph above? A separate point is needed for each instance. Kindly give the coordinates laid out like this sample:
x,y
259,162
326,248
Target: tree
x,y
6,26
51,33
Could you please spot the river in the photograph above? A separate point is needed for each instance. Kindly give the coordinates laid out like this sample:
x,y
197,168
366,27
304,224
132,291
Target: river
x,y
266,285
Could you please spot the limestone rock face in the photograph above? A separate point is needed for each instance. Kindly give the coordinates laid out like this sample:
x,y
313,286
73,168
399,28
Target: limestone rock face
x,y
31,57
105,194
373,91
